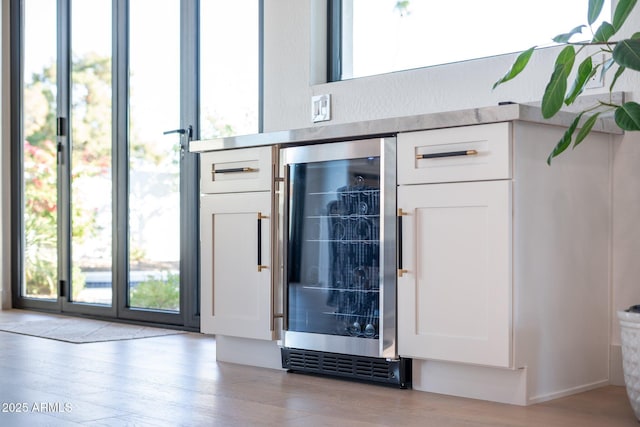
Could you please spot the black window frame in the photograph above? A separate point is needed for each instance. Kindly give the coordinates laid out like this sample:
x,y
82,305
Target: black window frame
x,y
334,40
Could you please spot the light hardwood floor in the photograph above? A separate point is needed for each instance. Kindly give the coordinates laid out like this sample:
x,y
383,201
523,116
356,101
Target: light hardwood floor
x,y
176,381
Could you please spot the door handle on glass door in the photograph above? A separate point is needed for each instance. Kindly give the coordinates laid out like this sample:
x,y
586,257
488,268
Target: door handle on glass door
x,y
188,131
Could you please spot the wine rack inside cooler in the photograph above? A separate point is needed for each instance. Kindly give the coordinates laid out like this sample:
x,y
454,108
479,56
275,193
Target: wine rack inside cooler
x,y
334,249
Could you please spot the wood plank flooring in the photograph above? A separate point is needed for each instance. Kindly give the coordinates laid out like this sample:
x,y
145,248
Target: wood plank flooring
x,y
176,381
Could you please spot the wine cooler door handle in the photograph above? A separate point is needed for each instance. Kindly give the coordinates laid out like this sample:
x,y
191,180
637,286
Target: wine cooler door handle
x,y
260,218
447,154
401,270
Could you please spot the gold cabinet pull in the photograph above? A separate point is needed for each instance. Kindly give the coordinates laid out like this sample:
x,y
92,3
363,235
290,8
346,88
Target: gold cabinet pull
x,y
401,213
260,218
447,154
233,170
214,171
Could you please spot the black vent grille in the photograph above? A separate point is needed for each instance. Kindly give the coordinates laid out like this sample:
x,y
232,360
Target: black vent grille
x,y
306,362
371,369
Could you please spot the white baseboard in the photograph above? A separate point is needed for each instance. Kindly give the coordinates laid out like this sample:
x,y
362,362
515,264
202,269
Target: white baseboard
x,y
265,354
475,382
498,385
568,392
493,384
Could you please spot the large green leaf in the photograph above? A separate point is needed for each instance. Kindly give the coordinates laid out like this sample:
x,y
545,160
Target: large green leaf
x,y
586,129
628,116
565,141
585,72
520,63
554,93
623,9
604,32
627,53
595,7
619,72
564,38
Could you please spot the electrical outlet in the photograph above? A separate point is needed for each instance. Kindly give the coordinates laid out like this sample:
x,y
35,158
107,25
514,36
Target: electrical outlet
x,y
321,108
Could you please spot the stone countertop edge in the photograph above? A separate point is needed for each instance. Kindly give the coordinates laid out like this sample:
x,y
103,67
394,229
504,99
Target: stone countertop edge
x,y
392,126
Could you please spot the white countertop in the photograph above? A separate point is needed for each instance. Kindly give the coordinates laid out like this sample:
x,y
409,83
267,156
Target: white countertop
x,y
391,126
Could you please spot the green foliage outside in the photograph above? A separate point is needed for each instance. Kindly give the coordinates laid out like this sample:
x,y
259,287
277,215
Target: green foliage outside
x,y
40,185
40,216
162,294
564,90
402,7
91,157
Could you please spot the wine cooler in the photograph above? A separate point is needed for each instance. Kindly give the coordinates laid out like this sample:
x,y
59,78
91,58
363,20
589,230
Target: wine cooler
x,y
340,261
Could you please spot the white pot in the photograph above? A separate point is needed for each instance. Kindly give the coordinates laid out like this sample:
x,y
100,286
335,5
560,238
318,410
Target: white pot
x,y
630,337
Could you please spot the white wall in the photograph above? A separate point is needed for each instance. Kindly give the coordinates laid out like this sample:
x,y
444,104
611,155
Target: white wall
x,y
291,78
292,58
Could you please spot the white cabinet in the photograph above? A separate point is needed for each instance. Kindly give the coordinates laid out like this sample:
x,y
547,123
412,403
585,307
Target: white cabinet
x,y
235,273
236,235
455,297
504,287
505,261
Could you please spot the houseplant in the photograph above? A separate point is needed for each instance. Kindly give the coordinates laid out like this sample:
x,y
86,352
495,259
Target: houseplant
x,y
630,337
623,55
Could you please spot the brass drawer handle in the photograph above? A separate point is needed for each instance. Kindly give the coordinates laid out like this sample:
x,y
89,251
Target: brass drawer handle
x,y
447,154
233,170
214,171
401,213
260,218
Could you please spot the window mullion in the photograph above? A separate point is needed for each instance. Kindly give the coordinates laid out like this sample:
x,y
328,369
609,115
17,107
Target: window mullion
x,y
63,99
120,135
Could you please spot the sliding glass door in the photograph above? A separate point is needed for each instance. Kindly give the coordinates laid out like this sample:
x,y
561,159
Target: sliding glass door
x,y
102,190
39,179
154,159
107,95
90,161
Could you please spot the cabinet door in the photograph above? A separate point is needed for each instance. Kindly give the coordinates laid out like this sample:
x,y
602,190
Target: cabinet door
x,y
235,291
454,301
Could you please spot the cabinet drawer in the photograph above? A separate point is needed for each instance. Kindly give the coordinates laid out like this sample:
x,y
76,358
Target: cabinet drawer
x,y
233,171
470,153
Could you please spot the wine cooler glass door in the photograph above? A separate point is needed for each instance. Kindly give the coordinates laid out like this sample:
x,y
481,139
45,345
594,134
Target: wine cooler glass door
x,y
334,252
